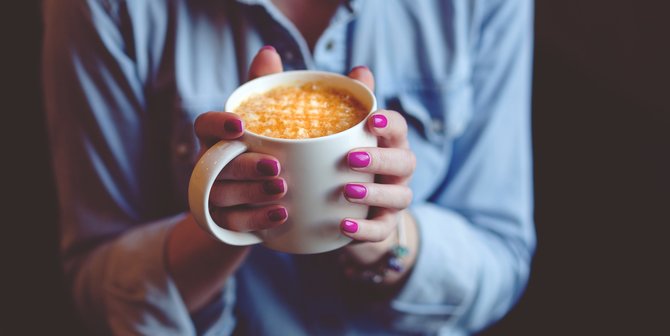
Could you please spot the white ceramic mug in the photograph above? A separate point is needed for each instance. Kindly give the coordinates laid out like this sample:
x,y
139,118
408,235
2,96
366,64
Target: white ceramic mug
x,y
315,171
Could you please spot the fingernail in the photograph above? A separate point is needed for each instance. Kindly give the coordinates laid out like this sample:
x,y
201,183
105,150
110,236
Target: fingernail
x,y
273,187
356,191
267,167
358,159
349,226
379,121
277,215
360,67
268,47
233,125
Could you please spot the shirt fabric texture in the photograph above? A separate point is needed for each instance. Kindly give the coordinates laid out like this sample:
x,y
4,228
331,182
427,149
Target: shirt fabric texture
x,y
124,81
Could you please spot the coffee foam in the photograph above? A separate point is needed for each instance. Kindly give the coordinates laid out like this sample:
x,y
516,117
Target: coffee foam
x,y
310,110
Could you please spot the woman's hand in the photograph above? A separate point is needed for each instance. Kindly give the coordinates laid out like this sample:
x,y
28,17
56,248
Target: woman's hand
x,y
393,163
250,178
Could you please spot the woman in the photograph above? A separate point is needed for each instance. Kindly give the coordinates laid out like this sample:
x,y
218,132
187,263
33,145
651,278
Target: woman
x,y
127,82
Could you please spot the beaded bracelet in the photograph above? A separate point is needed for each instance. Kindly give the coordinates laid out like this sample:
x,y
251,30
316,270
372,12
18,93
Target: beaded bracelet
x,y
391,261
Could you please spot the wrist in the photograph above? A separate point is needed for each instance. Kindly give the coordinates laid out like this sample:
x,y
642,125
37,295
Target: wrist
x,y
198,263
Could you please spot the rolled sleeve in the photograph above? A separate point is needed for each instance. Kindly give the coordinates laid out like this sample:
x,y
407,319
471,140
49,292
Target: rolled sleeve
x,y
462,274
124,287
419,294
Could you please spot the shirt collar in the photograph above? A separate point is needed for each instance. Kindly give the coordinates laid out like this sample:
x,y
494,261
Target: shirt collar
x,y
352,5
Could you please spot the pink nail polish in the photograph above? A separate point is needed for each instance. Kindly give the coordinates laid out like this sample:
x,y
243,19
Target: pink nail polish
x,y
233,125
273,187
268,47
277,215
356,191
349,226
379,121
360,67
267,167
358,159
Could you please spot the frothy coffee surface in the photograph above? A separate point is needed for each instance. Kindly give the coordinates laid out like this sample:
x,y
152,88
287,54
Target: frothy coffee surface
x,y
311,110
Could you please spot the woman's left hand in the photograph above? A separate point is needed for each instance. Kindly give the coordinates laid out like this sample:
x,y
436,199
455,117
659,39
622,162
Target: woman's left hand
x,y
393,164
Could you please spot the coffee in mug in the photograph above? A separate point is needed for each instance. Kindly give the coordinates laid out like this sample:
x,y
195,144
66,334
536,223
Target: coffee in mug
x,y
309,121
310,110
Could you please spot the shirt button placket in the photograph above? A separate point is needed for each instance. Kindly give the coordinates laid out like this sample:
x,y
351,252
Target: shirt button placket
x,y
292,60
182,151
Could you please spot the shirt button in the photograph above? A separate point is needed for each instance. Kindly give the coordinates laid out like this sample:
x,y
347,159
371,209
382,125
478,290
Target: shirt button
x,y
437,126
330,45
182,149
289,55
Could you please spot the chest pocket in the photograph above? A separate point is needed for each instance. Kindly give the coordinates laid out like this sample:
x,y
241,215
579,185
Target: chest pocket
x,y
439,112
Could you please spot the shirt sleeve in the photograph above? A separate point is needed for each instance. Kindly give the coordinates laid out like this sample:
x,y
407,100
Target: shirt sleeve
x,y
115,206
476,233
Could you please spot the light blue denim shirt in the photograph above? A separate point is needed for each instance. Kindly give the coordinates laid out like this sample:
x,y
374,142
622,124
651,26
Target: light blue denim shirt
x,y
125,79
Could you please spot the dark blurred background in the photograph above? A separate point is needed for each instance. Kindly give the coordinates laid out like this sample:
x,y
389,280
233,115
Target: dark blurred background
x,y
601,117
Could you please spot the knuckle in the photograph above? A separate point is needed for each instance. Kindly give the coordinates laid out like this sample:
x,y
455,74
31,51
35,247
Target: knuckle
x,y
384,159
240,221
217,196
411,160
220,217
403,124
377,232
202,119
249,193
376,238
410,195
398,119
248,220
199,119
373,194
238,167
402,128
392,113
407,197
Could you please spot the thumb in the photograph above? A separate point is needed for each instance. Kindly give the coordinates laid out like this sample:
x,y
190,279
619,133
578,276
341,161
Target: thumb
x,y
364,75
266,62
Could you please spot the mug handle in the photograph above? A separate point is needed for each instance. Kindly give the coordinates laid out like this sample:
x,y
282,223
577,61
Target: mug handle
x,y
202,179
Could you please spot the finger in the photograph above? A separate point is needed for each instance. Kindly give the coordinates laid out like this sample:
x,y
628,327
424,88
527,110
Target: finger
x,y
267,61
384,161
251,166
369,230
392,196
390,127
364,75
246,219
231,193
211,127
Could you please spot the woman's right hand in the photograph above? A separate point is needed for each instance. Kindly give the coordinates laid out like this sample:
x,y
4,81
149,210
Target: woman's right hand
x,y
251,178
246,182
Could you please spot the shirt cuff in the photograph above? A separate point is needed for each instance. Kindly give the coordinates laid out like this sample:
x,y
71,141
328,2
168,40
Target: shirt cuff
x,y
436,290
136,293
